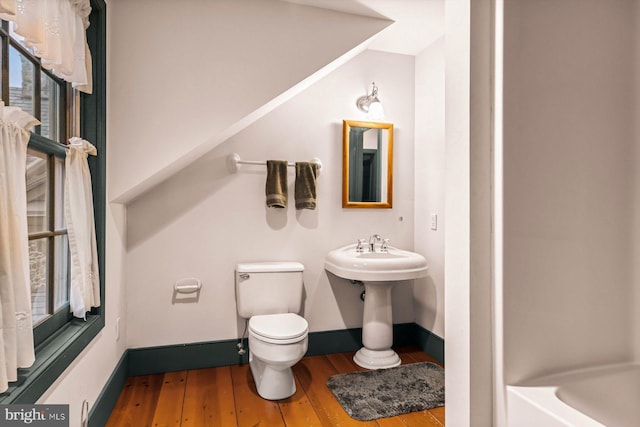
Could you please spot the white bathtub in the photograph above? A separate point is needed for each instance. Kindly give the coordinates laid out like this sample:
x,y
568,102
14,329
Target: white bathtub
x,y
595,397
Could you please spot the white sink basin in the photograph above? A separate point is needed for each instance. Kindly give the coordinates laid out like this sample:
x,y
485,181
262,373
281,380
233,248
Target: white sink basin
x,y
395,264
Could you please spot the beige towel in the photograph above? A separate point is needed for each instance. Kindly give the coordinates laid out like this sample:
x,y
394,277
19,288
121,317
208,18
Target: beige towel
x,y
276,186
305,191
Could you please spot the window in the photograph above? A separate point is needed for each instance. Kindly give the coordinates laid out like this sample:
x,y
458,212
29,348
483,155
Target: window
x,y
34,89
26,84
48,242
59,338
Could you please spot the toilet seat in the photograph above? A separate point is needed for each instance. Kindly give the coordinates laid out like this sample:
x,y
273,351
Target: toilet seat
x,y
283,328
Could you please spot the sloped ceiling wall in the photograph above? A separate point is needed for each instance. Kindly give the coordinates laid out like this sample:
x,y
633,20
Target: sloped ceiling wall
x,y
176,94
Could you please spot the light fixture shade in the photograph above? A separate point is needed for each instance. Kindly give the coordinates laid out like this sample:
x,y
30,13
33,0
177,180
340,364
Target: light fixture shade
x,y
376,112
371,105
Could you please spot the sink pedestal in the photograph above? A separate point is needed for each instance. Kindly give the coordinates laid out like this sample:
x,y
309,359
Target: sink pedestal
x,y
377,328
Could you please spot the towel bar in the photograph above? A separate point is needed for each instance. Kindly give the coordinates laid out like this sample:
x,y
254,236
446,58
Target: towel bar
x,y
234,161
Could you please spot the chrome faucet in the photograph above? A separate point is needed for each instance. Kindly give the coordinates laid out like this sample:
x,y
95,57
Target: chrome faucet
x,y
372,241
360,245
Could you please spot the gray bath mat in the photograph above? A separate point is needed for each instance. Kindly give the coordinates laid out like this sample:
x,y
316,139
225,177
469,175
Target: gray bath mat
x,y
389,392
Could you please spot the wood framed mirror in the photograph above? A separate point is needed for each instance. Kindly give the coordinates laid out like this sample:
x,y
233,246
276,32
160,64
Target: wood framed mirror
x,y
367,164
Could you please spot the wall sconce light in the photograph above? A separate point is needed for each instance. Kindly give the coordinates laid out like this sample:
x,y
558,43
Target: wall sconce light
x,y
371,105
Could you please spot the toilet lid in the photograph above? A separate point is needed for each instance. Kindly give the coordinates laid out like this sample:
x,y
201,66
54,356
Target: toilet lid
x,y
279,326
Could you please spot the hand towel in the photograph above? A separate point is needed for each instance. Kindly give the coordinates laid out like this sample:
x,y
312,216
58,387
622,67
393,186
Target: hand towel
x,y
276,186
305,191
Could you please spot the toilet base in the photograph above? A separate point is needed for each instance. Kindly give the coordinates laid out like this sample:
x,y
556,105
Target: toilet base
x,y
272,382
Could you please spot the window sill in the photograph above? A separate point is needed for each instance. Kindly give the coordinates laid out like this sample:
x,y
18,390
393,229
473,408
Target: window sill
x,y
52,357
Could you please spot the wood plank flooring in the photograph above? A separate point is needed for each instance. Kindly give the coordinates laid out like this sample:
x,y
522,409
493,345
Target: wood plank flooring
x,y
226,397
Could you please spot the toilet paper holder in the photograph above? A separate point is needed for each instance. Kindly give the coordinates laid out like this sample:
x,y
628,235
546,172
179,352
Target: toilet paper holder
x,y
187,286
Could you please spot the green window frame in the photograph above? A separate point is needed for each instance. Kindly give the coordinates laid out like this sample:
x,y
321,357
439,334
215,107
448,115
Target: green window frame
x,y
58,345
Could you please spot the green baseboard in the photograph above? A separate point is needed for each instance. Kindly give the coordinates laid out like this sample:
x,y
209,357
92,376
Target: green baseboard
x,y
107,399
181,357
344,340
170,358
429,342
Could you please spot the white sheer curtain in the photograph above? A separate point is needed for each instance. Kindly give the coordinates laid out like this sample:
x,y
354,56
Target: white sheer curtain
x,y
55,30
78,212
16,332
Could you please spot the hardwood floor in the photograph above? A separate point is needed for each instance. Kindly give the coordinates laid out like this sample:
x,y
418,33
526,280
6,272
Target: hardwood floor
x,y
226,396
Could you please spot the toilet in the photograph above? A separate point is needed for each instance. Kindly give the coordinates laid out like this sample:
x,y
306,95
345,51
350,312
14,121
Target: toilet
x,y
269,294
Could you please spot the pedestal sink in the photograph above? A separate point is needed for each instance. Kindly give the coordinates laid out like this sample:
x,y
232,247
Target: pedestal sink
x,y
379,271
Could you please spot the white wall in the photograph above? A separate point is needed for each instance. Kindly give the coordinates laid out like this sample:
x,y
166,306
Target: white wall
x,y
568,184
204,220
457,210
188,76
636,180
429,185
467,240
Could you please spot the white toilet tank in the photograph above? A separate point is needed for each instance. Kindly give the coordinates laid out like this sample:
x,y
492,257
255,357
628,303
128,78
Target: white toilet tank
x,y
268,288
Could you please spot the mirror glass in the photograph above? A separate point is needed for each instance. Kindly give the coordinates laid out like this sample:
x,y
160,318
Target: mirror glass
x,y
367,163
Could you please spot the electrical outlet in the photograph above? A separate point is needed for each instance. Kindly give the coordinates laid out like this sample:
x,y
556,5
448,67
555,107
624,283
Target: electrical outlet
x,y
117,329
434,221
